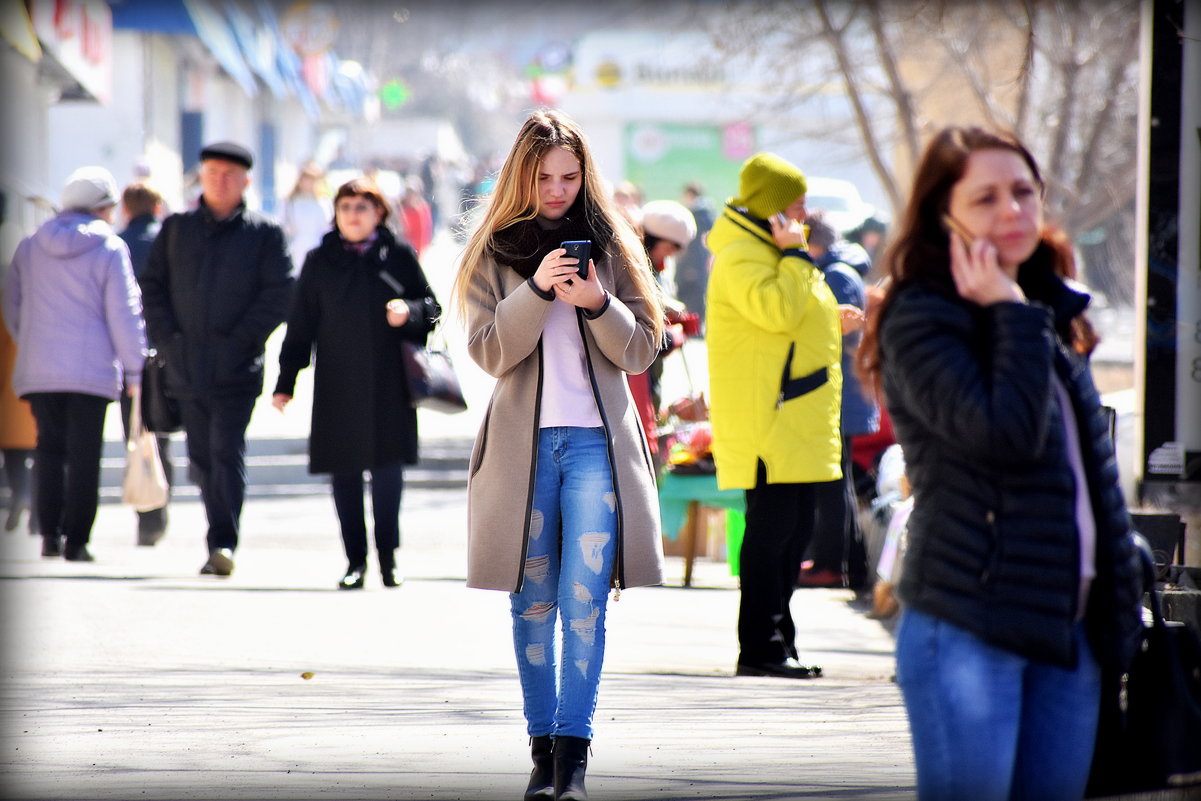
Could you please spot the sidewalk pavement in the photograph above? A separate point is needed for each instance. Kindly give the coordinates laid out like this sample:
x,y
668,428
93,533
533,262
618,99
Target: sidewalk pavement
x,y
136,678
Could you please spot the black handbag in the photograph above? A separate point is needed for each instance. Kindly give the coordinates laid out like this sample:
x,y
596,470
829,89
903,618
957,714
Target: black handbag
x,y
433,383
160,411
1149,732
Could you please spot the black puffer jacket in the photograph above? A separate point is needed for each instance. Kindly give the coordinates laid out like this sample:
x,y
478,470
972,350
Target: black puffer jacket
x,y
993,543
213,291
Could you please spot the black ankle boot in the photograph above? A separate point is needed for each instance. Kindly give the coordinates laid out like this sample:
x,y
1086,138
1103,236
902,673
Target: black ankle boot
x,y
353,580
571,760
542,777
387,569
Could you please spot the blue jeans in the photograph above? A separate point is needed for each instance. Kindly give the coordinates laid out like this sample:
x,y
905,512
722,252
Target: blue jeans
x,y
568,568
989,725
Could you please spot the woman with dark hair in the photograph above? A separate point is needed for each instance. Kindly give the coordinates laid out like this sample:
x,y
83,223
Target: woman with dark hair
x,y
1019,580
360,294
561,501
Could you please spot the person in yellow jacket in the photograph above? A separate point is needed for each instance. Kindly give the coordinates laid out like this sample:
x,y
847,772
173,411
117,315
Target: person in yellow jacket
x,y
775,344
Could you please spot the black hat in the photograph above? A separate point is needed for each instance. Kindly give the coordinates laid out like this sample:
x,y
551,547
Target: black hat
x,y
228,151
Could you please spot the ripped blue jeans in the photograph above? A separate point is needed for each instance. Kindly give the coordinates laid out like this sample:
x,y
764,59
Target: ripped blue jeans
x,y
573,540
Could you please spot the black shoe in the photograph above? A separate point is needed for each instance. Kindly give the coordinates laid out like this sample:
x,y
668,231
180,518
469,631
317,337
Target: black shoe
x,y
542,777
78,554
220,563
52,546
387,570
151,536
571,761
353,580
787,669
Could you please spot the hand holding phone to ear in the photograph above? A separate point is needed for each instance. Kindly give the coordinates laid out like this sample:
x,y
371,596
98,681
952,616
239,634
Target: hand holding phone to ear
x,y
974,268
788,233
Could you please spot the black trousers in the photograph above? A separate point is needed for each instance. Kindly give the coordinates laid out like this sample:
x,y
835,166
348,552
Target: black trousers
x,y
216,430
779,525
156,519
67,464
837,539
387,483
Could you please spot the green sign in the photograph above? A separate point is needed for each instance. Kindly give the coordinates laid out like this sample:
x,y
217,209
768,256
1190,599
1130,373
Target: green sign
x,y
662,157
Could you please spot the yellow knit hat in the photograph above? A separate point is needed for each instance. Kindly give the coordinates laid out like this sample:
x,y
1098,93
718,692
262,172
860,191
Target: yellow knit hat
x,y
768,184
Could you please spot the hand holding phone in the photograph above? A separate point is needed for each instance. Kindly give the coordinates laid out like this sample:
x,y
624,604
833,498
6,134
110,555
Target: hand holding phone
x,y
579,249
954,226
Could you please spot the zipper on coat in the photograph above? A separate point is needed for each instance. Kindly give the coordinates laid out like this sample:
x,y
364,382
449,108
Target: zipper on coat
x,y
618,566
529,497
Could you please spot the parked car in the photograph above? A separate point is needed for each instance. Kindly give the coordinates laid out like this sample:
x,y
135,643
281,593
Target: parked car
x,y
840,200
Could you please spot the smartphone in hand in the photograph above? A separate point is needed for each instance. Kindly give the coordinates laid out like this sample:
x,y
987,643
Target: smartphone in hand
x,y
954,226
579,249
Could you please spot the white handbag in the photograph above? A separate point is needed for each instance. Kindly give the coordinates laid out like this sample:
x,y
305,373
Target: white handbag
x,y
145,484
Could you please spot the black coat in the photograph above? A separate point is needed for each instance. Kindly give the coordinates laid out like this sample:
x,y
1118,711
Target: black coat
x,y
362,417
139,235
212,292
993,544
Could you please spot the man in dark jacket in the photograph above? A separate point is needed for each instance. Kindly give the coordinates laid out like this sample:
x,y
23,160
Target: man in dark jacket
x,y
142,206
217,284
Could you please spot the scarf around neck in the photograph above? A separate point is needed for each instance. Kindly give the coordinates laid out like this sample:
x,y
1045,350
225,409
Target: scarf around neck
x,y
524,244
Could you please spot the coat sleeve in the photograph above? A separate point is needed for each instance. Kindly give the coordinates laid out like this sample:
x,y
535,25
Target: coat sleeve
x,y
424,310
296,352
123,314
983,389
502,331
155,283
624,331
776,295
270,307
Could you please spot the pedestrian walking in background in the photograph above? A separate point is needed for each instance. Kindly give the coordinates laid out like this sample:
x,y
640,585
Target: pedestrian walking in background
x,y
416,218
73,307
1018,581
142,207
217,284
838,555
692,266
18,437
360,296
667,229
306,212
562,503
774,345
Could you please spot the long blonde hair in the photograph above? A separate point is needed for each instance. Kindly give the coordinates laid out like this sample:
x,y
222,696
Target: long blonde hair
x,y
515,199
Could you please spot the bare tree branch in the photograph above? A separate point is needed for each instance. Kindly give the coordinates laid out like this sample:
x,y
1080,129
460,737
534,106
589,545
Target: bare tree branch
x,y
875,154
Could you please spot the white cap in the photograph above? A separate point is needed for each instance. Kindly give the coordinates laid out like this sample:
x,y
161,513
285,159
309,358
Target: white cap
x,y
90,188
667,219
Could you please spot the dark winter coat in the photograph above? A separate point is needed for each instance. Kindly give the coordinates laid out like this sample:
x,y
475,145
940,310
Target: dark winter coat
x,y
993,543
362,416
213,291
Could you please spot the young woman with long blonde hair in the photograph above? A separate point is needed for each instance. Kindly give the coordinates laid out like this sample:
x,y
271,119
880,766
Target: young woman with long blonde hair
x,y
562,505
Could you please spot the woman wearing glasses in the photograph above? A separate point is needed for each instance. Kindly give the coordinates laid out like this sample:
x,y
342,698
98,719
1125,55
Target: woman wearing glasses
x,y
360,293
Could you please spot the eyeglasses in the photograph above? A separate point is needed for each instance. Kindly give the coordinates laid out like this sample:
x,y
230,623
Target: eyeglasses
x,y
356,208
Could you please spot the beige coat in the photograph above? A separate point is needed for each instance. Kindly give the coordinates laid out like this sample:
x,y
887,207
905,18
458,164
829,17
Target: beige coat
x,y
504,335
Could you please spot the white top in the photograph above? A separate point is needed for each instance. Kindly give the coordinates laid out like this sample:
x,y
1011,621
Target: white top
x,y
1086,524
567,398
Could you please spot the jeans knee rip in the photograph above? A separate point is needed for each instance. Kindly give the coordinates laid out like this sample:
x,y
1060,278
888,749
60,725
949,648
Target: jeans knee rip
x,y
535,653
592,547
537,568
537,521
538,612
585,628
